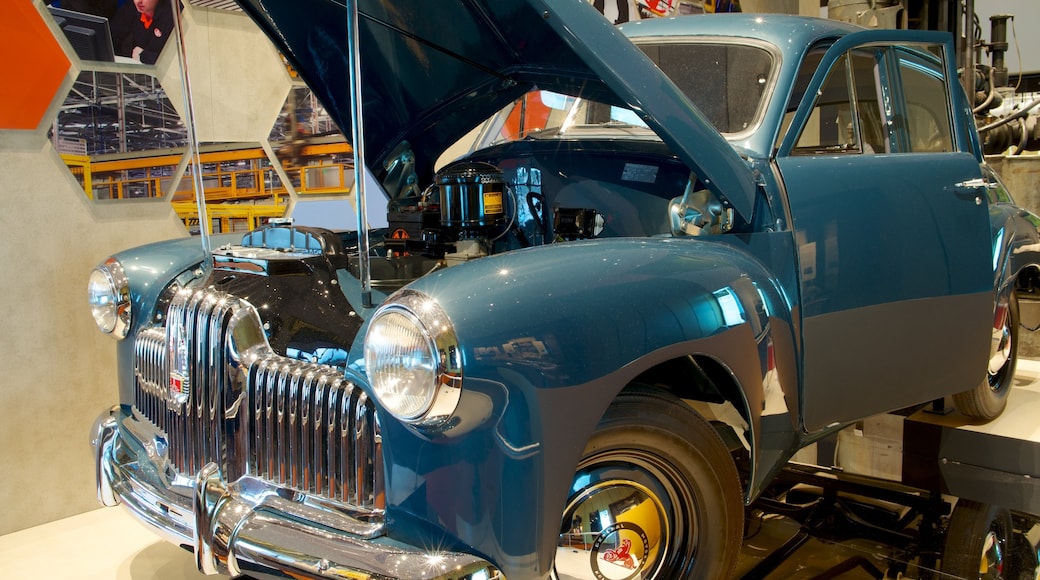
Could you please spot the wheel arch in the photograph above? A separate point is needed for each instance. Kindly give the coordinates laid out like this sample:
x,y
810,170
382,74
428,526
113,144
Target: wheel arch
x,y
725,385
1016,260
707,385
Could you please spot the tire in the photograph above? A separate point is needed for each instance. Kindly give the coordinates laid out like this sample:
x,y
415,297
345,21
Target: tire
x,y
988,400
1025,564
978,542
655,496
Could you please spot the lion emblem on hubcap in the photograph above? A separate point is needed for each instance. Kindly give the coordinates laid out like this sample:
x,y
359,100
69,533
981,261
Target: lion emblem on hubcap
x,y
619,552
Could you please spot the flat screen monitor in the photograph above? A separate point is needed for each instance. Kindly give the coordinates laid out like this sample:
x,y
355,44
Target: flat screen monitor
x,y
89,35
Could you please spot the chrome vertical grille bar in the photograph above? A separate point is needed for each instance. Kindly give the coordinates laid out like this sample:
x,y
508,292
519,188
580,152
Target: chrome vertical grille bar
x,y
291,423
363,438
293,443
270,387
331,420
317,426
347,474
258,377
306,483
189,425
216,381
281,441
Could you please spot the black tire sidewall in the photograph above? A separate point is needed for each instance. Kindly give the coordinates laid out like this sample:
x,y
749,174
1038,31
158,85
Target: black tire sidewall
x,y
689,448
985,401
969,525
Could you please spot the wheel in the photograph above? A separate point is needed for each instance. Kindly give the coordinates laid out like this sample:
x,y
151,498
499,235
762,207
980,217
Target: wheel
x,y
977,541
655,496
988,399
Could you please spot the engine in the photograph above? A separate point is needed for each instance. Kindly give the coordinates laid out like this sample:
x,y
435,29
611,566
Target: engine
x,y
458,218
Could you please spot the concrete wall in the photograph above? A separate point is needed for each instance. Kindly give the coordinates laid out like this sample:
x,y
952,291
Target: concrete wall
x,y
58,369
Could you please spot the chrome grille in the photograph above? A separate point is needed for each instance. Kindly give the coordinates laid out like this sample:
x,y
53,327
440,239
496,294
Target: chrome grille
x,y
253,412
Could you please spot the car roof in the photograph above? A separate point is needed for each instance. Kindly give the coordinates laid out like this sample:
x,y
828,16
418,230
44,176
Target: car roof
x,y
784,31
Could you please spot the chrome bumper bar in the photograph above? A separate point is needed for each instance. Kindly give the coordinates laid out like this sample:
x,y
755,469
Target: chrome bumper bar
x,y
248,526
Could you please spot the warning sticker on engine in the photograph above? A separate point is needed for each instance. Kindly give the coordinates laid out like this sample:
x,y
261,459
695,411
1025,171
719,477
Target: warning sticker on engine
x,y
640,173
493,202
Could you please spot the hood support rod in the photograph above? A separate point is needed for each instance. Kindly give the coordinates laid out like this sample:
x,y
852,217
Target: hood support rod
x,y
357,131
194,154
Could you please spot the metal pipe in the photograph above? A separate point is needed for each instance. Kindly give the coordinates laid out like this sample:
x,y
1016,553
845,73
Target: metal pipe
x,y
1019,113
1023,136
357,131
989,96
998,46
193,139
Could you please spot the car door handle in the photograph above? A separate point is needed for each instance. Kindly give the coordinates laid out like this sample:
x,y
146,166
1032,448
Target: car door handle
x,y
970,189
973,184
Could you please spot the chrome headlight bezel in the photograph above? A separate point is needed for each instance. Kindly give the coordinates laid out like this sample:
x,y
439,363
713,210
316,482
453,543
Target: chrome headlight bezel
x,y
441,361
108,293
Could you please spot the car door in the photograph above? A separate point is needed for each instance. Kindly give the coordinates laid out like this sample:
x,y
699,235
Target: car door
x,y
892,231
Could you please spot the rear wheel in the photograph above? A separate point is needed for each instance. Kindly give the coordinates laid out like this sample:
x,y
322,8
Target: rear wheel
x,y
988,399
655,496
977,542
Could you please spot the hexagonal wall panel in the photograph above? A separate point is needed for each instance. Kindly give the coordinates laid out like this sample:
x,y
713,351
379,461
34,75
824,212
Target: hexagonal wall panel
x,y
120,135
243,188
238,80
316,158
32,76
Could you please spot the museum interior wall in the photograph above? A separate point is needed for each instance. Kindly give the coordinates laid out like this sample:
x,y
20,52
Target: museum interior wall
x,y
58,369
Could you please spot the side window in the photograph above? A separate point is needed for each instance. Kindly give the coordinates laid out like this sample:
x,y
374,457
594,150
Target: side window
x,y
927,103
846,117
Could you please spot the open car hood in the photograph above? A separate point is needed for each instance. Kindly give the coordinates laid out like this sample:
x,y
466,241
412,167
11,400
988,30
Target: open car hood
x,y
433,70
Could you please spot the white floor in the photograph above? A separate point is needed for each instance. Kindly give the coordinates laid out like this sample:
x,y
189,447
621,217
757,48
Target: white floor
x,y
1021,419
109,544
104,544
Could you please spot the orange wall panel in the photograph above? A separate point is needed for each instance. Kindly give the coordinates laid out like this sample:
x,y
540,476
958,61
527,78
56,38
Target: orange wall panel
x,y
32,66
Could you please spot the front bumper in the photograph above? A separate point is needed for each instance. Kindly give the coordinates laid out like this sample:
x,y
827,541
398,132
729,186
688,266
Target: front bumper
x,y
247,525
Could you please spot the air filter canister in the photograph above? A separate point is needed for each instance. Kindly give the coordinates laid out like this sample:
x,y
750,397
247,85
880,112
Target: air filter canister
x,y
471,196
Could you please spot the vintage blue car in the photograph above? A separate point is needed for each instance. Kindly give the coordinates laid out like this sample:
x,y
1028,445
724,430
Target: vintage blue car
x,y
679,251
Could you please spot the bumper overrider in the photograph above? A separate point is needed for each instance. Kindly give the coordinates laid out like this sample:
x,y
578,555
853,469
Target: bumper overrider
x,y
253,461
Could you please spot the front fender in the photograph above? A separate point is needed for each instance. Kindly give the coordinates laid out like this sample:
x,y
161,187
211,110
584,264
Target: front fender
x,y
549,337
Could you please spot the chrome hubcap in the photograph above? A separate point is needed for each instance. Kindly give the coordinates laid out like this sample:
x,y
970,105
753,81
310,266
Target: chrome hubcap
x,y
1001,346
613,530
991,565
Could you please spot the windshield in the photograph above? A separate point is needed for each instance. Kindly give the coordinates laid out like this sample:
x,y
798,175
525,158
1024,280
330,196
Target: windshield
x,y
728,82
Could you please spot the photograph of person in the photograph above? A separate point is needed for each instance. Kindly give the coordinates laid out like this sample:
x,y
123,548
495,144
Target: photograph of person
x,y
140,29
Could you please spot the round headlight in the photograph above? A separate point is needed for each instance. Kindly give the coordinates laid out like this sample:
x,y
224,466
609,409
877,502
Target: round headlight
x,y
108,293
413,360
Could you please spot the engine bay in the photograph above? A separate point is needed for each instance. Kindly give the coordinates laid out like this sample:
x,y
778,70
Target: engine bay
x,y
543,191
516,195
